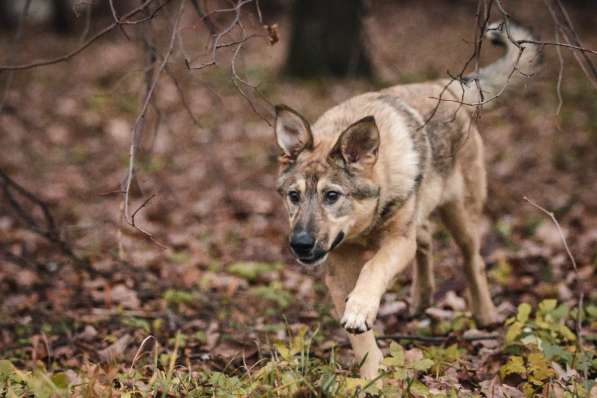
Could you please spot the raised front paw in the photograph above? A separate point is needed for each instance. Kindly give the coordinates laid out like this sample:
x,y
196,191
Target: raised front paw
x,y
359,314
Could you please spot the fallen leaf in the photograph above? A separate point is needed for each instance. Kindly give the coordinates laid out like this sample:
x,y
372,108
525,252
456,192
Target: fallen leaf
x,y
88,333
453,302
124,296
495,389
114,351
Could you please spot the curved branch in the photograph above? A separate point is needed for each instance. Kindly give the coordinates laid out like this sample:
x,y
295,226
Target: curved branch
x,y
124,20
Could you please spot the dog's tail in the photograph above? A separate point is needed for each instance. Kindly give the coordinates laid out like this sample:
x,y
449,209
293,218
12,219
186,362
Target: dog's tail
x,y
521,60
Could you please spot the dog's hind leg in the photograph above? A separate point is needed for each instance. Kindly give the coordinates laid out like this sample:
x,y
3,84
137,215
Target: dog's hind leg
x,y
423,285
464,229
462,216
341,276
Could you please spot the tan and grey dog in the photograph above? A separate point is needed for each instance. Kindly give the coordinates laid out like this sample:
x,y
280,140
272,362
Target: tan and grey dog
x,y
360,183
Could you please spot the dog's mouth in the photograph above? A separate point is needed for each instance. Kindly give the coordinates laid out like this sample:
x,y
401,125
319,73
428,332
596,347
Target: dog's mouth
x,y
318,257
313,261
337,241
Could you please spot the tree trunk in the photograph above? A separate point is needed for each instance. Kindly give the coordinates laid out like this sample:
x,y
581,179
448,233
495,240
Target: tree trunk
x,y
326,39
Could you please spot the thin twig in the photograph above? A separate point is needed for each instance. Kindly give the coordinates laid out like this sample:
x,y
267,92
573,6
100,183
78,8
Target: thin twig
x,y
124,20
236,78
579,344
182,96
217,44
50,230
206,20
560,77
558,44
479,36
137,129
117,19
555,222
141,206
141,117
437,339
562,20
428,339
495,96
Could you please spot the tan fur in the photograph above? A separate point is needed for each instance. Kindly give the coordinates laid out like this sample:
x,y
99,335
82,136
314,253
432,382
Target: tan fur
x,y
392,169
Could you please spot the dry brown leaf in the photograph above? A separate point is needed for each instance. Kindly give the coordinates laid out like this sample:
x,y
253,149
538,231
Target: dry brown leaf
x,y
114,351
212,336
88,333
124,296
495,389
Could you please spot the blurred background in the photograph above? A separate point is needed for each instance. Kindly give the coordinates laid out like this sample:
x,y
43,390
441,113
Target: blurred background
x,y
188,235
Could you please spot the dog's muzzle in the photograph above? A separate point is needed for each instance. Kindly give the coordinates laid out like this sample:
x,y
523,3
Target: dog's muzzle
x,y
307,251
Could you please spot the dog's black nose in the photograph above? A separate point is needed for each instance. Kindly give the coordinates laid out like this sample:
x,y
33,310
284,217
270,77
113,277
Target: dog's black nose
x,y
302,243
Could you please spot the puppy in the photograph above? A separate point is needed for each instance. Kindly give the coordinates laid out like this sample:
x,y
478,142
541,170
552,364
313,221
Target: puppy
x,y
360,183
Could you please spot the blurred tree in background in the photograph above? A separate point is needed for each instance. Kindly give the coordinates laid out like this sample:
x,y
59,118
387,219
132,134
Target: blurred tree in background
x,y
316,50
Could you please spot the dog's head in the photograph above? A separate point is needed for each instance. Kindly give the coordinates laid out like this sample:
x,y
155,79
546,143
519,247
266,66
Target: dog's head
x,y
329,190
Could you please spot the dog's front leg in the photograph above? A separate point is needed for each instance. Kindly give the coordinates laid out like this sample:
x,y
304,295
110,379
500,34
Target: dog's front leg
x,y
395,253
361,305
343,269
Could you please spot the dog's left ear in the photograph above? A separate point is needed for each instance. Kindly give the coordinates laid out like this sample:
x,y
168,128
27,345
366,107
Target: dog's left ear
x,y
293,133
358,145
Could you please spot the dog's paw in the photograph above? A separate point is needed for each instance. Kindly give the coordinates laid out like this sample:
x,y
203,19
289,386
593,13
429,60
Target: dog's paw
x,y
489,320
486,315
419,304
359,314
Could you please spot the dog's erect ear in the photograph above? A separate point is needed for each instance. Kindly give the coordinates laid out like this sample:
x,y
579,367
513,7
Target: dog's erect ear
x,y
358,145
293,132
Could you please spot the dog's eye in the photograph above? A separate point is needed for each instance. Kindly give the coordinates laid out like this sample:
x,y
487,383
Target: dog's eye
x,y
294,196
331,197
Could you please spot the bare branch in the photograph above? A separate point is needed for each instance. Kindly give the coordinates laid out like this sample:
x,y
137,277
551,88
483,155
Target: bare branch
x,y
564,24
182,96
117,19
498,94
126,19
137,227
215,44
579,344
560,76
555,222
482,15
238,43
558,44
430,339
49,231
139,123
205,18
236,78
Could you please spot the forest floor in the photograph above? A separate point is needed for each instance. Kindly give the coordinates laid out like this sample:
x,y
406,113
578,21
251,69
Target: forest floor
x,y
217,307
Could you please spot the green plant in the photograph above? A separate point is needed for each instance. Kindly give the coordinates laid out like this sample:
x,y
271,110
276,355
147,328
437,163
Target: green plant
x,y
543,350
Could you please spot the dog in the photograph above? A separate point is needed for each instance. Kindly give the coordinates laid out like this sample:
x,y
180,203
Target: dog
x,y
360,184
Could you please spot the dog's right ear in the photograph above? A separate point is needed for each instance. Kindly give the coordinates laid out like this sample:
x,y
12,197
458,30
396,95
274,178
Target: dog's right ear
x,y
358,145
293,133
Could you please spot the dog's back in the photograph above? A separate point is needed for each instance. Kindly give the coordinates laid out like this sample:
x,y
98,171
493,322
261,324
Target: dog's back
x,y
426,128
